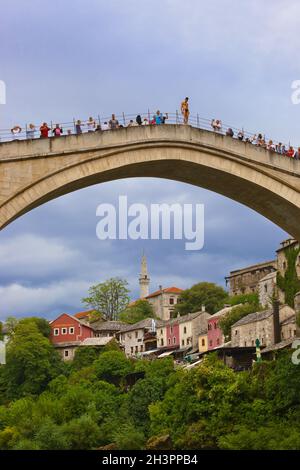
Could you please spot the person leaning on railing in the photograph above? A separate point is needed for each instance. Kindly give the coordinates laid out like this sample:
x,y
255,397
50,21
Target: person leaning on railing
x,y
30,133
15,131
44,130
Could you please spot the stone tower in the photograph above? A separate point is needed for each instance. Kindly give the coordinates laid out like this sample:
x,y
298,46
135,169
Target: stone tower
x,y
144,279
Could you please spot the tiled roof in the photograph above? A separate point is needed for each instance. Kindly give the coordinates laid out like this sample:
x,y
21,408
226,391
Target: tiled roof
x,y
84,314
253,267
275,347
101,325
254,317
167,290
291,319
95,341
82,322
185,318
147,323
223,311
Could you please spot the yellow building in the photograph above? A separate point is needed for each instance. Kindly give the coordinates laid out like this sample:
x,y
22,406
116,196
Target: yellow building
x,y
202,342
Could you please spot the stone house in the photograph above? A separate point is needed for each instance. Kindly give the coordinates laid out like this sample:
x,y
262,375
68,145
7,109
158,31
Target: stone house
x,y
182,331
108,329
139,337
163,301
266,289
245,281
259,325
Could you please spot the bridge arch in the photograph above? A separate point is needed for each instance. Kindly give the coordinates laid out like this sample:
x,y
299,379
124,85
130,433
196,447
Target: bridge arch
x,y
34,172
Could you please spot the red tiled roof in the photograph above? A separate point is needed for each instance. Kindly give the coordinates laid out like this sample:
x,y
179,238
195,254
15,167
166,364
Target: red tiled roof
x,y
83,314
167,290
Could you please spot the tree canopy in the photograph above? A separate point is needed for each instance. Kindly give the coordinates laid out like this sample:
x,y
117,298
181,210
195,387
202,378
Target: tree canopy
x,y
108,298
205,294
139,310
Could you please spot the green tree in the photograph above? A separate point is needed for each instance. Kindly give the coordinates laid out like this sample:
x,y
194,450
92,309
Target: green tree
x,y
289,283
108,298
42,324
10,324
112,366
84,356
208,294
140,310
31,361
234,315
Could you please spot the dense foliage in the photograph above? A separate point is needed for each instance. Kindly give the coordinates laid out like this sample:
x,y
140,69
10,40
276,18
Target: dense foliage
x,y
139,310
93,402
243,305
290,283
205,294
109,298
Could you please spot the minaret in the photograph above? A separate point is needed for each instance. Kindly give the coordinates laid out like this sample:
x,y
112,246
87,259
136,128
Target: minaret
x,y
144,279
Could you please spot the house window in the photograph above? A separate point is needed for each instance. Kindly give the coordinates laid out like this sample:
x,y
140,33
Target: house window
x,y
182,342
161,332
66,353
141,348
174,340
216,325
203,342
245,343
236,332
252,342
71,330
161,342
169,341
184,329
136,334
64,331
56,331
131,349
218,341
210,342
136,349
171,300
171,329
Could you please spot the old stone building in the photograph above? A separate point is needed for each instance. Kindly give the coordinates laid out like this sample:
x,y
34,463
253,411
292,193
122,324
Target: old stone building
x,y
266,289
245,281
183,331
260,325
139,337
164,301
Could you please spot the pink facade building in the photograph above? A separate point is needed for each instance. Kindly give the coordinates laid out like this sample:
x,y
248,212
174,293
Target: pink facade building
x,y
215,337
172,334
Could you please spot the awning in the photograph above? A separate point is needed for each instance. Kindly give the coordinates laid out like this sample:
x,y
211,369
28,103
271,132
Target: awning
x,y
190,366
146,353
168,353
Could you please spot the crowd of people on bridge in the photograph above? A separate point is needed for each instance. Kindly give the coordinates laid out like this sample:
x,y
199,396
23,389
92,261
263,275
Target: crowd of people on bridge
x,y
93,125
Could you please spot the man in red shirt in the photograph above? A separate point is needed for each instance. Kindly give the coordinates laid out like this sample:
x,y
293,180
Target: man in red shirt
x,y
44,129
290,152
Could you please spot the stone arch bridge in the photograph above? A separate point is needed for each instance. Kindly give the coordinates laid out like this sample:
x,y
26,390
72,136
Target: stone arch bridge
x,y
33,172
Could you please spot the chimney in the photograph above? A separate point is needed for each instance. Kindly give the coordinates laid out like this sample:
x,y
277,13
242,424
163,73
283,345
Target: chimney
x,y
276,322
160,288
203,308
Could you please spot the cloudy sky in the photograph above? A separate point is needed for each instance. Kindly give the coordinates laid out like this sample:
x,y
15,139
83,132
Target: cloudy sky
x,y
59,60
